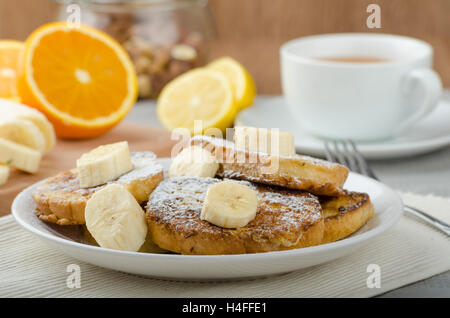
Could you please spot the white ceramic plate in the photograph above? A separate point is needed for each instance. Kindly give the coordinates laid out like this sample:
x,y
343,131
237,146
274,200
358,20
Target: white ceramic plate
x,y
388,207
431,133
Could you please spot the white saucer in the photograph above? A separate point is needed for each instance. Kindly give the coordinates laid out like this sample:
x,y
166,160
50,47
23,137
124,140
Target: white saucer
x,y
432,133
388,210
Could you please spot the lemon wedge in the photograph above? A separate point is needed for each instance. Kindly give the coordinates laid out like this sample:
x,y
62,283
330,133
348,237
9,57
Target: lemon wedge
x,y
240,79
203,95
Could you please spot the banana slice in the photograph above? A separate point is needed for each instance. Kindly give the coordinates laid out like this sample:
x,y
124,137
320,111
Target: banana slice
x,y
229,204
103,164
194,162
4,174
19,156
22,131
9,109
115,219
270,141
45,127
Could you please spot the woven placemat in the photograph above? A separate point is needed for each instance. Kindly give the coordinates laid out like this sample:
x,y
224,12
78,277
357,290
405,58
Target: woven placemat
x,y
409,252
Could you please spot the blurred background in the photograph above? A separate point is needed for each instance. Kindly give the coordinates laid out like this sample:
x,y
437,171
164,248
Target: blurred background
x,y
253,30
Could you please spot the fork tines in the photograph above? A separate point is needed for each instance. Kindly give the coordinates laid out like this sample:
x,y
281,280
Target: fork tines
x,y
345,152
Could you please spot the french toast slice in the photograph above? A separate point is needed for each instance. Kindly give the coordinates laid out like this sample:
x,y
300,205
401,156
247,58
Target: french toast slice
x,y
285,219
345,214
295,172
60,199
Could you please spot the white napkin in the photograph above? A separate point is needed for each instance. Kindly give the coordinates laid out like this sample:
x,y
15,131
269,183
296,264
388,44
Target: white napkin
x,y
409,252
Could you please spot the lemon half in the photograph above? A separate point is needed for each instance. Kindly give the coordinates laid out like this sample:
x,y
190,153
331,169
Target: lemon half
x,y
240,79
203,95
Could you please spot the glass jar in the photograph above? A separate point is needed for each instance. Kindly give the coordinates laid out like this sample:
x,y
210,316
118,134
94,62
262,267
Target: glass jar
x,y
163,37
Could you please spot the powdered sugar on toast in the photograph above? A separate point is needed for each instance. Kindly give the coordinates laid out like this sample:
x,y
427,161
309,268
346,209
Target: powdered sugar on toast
x,y
177,202
295,172
231,145
145,166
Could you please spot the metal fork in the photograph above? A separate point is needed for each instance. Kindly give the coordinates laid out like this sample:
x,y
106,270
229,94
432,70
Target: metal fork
x,y
346,153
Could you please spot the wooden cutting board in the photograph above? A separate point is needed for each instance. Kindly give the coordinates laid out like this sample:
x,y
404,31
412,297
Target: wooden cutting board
x,y
66,152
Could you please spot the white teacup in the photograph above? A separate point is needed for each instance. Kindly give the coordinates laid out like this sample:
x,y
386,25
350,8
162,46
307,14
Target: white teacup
x,y
359,100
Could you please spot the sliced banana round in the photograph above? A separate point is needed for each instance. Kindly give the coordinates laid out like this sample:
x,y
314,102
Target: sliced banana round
x,y
24,132
43,125
4,173
229,204
270,141
10,109
19,156
194,161
104,163
115,219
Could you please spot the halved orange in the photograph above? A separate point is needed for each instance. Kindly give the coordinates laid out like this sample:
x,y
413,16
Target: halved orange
x,y
79,77
10,54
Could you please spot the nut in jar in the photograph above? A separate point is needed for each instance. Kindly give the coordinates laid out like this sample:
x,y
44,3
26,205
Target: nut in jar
x,y
163,38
